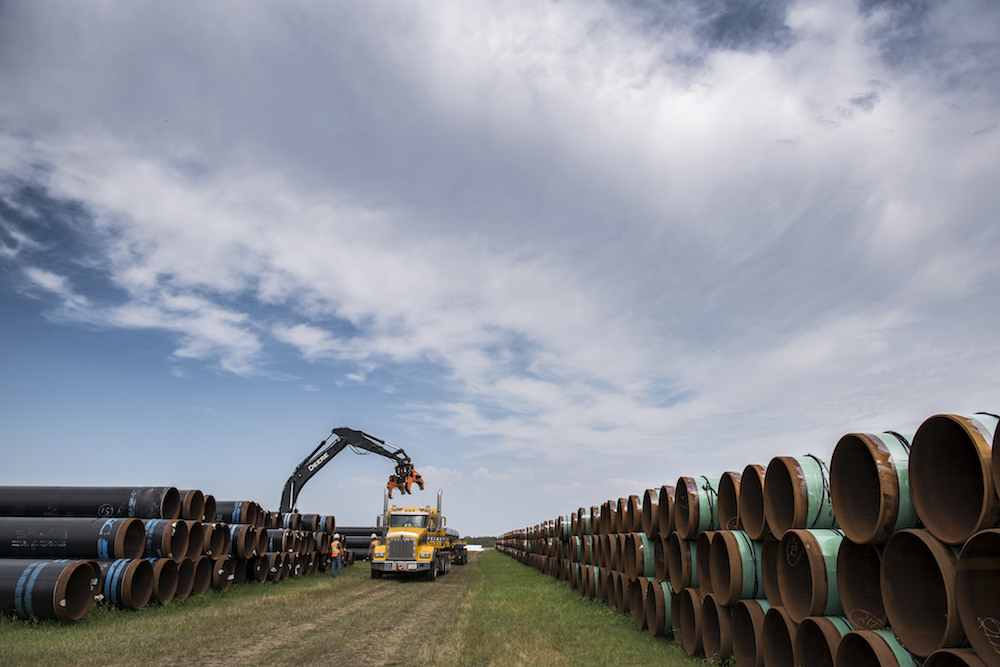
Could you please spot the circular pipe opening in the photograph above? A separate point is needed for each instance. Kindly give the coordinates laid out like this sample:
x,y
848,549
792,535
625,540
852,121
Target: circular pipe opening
x,y
170,504
137,584
729,501
703,555
690,621
776,637
164,580
859,585
917,575
864,648
686,507
782,489
747,625
978,590
185,579
665,510
73,595
770,554
679,563
863,488
130,540
948,478
802,575
196,539
711,633
816,642
751,502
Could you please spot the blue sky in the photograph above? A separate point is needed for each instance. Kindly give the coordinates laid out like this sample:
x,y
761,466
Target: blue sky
x,y
559,252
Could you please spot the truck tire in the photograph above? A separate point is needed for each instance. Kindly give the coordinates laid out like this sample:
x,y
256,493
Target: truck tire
x,y
432,573
376,574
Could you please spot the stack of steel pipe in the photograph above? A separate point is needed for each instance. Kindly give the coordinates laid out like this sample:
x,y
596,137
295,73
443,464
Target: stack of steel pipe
x,y
884,552
63,548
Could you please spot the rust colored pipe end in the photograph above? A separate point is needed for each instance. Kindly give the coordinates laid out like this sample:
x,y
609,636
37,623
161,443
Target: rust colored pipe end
x,y
817,641
747,628
977,588
716,629
918,589
691,601
859,584
751,502
777,636
951,477
785,495
130,539
864,488
729,501
665,510
703,555
73,594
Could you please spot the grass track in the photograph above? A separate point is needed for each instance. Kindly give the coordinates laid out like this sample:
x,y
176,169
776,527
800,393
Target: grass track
x,y
493,611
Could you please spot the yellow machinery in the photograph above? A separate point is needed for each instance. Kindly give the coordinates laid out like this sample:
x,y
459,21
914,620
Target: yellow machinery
x,y
416,540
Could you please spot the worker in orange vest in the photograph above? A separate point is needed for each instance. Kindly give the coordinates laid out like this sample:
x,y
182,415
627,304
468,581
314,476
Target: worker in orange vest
x,y
338,555
372,545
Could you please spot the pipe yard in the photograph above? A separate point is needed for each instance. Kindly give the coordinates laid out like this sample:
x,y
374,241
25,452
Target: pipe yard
x,y
886,551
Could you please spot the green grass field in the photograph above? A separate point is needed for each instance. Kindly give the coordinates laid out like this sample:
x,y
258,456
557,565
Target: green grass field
x,y
493,611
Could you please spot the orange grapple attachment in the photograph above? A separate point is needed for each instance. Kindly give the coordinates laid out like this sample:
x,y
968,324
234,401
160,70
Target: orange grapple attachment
x,y
415,478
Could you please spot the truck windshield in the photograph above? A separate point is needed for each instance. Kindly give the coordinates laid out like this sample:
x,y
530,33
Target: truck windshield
x,y
408,521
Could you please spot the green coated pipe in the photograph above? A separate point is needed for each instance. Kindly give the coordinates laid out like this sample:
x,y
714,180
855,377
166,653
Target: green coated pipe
x,y
748,627
874,648
797,494
696,505
870,485
658,607
736,566
818,640
807,572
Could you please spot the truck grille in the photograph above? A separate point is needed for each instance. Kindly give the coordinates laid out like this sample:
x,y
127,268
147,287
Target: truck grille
x,y
402,548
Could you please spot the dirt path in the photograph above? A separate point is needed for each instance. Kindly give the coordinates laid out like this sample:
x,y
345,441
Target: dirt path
x,y
358,620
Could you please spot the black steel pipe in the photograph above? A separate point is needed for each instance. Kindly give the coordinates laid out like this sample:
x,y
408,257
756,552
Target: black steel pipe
x,y
164,579
47,589
71,537
153,502
128,582
165,538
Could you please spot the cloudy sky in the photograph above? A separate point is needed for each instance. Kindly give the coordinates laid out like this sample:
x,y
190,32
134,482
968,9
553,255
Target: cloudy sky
x,y
559,252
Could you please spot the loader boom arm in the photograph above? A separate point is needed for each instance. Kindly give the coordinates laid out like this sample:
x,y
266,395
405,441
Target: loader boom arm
x,y
347,437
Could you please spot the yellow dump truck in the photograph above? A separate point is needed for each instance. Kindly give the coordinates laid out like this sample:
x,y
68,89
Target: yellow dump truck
x,y
416,540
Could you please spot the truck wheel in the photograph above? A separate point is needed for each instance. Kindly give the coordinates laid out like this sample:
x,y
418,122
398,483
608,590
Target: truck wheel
x,y
432,573
376,574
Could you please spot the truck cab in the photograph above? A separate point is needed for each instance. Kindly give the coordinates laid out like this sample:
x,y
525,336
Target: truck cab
x,y
416,540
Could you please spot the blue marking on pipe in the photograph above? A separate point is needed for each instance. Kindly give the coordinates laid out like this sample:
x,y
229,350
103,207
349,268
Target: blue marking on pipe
x,y
19,590
31,585
111,582
236,511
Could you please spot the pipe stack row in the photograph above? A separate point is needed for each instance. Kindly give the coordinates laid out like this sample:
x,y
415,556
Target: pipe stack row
x,y
64,548
886,552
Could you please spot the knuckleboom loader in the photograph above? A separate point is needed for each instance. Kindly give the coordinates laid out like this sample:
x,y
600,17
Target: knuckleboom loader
x,y
416,540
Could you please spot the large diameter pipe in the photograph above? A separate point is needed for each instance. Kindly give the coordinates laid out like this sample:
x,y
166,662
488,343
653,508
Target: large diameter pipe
x,y
164,579
977,589
769,556
640,589
71,537
657,607
870,486
807,573
716,629
859,584
203,566
797,494
165,538
682,563
156,502
650,513
210,509
47,589
196,539
735,564
818,639
951,477
185,579
665,511
778,635
192,504
918,589
128,582
751,502
639,556
954,657
691,601
729,501
217,539
748,628
873,648
696,506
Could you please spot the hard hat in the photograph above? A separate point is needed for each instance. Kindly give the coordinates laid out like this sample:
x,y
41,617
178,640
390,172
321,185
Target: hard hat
x,y
374,536
336,536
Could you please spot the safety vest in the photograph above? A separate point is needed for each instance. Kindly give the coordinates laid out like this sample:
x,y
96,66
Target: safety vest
x,y
372,545
335,548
